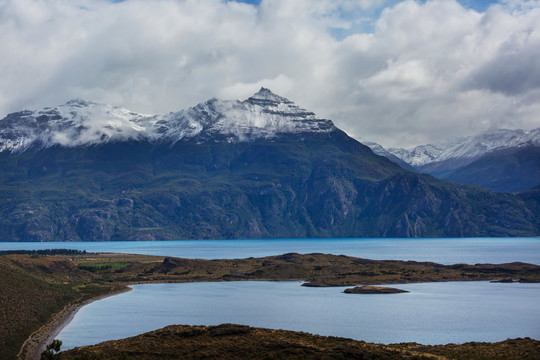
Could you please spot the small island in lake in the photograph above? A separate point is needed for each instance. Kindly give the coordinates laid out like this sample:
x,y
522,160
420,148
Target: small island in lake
x,y
367,289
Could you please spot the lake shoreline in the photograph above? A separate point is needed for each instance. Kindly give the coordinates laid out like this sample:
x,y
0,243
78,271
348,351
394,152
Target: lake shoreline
x,y
445,251
252,342
38,341
59,321
101,271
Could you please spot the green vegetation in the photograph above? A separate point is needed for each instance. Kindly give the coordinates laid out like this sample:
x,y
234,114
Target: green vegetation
x,y
52,350
27,301
93,267
34,288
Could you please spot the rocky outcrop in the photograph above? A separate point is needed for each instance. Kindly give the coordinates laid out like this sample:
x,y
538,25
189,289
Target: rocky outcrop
x,y
367,289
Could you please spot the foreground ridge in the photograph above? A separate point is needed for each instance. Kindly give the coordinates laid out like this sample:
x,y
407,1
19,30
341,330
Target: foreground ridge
x,y
230,341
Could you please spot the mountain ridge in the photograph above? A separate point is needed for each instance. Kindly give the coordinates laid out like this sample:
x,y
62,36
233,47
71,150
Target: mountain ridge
x,y
508,169
500,160
470,147
303,178
83,123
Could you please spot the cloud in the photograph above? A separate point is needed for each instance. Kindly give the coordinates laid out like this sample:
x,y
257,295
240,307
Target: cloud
x,y
419,72
513,68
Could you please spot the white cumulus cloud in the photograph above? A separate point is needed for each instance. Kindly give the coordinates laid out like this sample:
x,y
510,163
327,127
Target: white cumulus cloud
x,y
397,72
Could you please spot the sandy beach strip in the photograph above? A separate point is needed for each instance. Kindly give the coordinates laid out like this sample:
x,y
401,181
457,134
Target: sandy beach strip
x,y
38,340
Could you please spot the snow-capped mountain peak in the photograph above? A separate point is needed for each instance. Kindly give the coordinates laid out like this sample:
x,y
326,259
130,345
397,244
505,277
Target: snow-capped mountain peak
x,y
75,123
81,123
467,148
266,95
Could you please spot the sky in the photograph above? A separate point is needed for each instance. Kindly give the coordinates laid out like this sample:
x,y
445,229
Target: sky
x,y
400,73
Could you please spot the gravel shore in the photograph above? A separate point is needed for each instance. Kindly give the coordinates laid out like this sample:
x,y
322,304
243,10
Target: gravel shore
x,y
37,341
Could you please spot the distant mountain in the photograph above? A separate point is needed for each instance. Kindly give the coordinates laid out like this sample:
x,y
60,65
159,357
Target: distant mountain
x,y
379,150
258,168
512,169
500,160
470,147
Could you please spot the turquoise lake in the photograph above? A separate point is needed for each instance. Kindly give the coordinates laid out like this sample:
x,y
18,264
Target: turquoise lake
x,y
440,250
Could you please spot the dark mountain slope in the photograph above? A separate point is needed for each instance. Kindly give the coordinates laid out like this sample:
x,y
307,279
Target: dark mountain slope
x,y
498,160
258,168
514,169
421,206
320,185
136,190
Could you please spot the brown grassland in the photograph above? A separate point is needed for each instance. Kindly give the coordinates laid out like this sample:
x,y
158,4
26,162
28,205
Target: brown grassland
x,y
228,341
34,287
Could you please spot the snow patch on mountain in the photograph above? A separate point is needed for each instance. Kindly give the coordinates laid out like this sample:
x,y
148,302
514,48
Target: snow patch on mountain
x,y
83,123
75,123
470,147
377,148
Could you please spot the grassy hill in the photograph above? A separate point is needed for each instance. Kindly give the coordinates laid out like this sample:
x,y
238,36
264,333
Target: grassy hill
x,y
230,341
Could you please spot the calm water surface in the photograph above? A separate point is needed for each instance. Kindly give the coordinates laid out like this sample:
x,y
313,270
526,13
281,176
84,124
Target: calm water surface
x,y
440,250
432,313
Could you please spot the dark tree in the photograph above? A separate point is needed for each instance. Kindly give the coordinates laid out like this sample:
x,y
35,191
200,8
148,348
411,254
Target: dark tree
x,y
52,350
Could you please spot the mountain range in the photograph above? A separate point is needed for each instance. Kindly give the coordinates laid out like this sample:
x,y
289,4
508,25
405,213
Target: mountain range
x,y
499,160
258,168
83,123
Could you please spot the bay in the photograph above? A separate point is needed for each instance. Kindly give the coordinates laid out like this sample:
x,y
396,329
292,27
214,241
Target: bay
x,y
441,250
432,313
